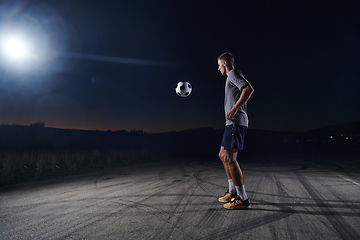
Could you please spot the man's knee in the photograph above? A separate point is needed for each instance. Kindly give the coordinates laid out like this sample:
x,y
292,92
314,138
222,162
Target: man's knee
x,y
221,155
226,156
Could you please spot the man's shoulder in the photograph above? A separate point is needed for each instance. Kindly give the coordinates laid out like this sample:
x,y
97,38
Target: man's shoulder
x,y
234,73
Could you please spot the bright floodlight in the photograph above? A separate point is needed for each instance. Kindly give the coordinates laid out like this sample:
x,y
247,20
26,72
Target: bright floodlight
x,y
14,48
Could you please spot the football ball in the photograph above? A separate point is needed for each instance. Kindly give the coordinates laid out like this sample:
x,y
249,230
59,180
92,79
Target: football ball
x,y
183,89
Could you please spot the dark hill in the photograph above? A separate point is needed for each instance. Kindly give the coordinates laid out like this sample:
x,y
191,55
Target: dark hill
x,y
194,142
351,129
36,152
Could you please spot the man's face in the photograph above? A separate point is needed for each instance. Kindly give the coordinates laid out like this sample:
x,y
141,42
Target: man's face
x,y
221,67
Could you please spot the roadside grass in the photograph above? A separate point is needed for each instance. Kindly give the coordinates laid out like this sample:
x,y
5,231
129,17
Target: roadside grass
x,y
22,166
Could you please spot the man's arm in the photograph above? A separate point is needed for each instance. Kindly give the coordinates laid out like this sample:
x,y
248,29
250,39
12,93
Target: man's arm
x,y
244,97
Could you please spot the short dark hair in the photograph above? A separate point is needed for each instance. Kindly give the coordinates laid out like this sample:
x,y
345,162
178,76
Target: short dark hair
x,y
228,57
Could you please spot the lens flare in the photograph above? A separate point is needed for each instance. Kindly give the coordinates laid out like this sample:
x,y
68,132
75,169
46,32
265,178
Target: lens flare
x,y
14,48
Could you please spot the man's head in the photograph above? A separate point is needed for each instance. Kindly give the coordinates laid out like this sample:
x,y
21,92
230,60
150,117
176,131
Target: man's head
x,y
225,63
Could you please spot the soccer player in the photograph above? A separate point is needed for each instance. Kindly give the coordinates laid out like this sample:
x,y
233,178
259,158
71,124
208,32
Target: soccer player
x,y
238,90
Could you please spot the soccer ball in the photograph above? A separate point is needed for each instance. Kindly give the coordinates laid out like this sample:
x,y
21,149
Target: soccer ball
x,y
183,89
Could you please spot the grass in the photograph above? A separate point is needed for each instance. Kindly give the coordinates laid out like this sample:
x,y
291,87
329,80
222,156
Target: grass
x,y
21,166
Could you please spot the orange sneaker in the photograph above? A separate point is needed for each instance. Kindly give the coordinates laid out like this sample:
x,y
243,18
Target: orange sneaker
x,y
237,203
227,197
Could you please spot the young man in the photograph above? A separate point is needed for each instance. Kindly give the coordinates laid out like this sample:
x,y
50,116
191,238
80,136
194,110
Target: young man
x,y
238,90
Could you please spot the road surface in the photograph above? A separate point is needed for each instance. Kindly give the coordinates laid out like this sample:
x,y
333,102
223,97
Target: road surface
x,y
292,198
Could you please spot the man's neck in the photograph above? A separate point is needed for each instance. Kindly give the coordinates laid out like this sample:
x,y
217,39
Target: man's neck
x,y
228,70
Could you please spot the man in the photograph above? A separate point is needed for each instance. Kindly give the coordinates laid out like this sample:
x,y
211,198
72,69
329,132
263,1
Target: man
x,y
238,90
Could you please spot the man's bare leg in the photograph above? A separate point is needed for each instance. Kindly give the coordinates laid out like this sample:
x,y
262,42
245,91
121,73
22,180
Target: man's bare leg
x,y
233,171
231,166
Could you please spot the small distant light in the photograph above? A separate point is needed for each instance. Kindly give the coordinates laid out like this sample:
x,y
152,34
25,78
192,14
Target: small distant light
x,y
331,137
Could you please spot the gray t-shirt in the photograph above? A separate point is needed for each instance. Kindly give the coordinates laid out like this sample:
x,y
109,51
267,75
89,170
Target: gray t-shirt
x,y
235,82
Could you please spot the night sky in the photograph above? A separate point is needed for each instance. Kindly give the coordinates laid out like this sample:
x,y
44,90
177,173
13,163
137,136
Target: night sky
x,y
113,65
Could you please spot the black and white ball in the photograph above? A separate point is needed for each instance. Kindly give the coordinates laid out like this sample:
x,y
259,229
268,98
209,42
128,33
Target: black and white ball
x,y
183,89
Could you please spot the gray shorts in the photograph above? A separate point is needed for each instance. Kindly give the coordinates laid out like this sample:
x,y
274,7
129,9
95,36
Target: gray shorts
x,y
233,137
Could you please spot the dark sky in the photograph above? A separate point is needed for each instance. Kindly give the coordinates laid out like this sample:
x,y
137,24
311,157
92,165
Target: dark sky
x,y
302,58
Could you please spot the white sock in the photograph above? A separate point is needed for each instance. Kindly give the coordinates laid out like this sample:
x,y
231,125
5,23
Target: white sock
x,y
240,190
231,186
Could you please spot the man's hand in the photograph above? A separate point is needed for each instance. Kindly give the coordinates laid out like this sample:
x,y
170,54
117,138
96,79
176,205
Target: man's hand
x,y
231,114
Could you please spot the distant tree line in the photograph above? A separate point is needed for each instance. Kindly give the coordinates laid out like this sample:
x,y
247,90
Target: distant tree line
x,y
38,124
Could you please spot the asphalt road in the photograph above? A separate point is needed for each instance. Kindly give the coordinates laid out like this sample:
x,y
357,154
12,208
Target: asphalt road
x,y
292,198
